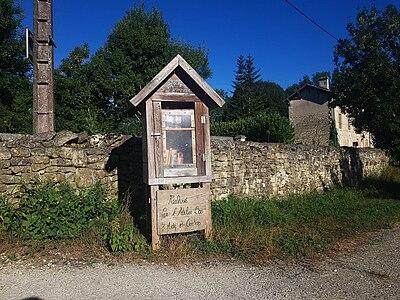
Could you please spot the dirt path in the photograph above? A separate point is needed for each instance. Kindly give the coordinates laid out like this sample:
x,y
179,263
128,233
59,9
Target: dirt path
x,y
372,272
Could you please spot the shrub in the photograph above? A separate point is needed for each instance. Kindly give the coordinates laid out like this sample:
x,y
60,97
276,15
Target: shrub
x,y
55,211
264,127
5,214
123,237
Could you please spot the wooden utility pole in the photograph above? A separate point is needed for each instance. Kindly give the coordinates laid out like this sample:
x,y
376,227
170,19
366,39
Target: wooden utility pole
x,y
43,94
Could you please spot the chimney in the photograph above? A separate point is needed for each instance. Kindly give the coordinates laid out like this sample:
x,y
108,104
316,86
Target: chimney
x,y
43,97
323,82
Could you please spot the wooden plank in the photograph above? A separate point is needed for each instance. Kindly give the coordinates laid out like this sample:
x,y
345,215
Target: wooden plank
x,y
180,172
200,151
157,80
182,210
179,180
145,153
200,81
207,142
155,238
175,97
150,142
158,143
208,212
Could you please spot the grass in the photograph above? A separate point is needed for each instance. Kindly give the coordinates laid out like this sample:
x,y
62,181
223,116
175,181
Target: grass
x,y
299,226
303,225
248,229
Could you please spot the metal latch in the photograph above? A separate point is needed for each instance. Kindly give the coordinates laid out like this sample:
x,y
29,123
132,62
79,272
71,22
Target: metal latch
x,y
155,134
203,119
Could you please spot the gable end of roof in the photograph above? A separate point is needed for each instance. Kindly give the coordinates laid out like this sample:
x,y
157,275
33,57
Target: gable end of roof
x,y
177,61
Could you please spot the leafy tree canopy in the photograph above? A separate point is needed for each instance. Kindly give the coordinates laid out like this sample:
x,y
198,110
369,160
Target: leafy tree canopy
x,y
15,88
367,75
139,46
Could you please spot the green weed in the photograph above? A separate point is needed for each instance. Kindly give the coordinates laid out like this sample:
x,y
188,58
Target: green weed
x,y
55,211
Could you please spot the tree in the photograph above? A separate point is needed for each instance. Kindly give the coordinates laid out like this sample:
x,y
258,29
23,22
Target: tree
x,y
218,114
15,88
270,96
77,109
252,95
367,75
240,75
139,46
246,75
252,75
261,127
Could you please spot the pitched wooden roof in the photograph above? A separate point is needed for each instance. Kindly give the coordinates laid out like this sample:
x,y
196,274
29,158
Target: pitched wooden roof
x,y
175,63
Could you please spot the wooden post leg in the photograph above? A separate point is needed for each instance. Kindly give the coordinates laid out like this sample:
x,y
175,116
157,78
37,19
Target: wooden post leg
x,y
155,238
208,230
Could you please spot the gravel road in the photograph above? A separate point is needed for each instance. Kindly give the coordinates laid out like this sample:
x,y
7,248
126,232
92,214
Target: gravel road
x,y
372,272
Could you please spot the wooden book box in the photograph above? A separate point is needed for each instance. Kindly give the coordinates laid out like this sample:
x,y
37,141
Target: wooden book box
x,y
176,149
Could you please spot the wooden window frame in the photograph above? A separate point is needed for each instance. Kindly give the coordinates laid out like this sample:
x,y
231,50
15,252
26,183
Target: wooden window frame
x,y
179,172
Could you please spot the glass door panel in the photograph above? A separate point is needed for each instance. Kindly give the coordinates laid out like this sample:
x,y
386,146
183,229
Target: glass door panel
x,y
179,142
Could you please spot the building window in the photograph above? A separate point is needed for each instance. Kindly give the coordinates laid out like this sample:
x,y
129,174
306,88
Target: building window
x,y
355,144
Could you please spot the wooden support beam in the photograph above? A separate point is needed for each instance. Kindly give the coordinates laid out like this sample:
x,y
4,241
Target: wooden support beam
x,y
208,230
155,238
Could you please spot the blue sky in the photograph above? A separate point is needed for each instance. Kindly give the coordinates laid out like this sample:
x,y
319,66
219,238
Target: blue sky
x,y
284,44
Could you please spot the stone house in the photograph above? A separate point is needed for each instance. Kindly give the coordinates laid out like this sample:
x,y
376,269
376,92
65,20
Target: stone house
x,y
316,123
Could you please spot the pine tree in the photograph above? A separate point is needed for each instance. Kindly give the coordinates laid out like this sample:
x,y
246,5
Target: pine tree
x,y
252,75
240,73
246,76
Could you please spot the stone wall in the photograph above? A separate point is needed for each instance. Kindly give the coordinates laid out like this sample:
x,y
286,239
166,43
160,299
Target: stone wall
x,y
278,169
239,167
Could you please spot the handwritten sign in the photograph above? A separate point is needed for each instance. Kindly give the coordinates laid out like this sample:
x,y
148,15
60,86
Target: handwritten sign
x,y
181,210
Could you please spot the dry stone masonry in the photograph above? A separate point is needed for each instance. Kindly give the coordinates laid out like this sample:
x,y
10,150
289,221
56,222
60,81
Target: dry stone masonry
x,y
239,168
248,168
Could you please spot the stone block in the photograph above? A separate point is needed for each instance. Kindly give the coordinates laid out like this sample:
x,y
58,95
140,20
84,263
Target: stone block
x,y
38,151
10,179
65,137
4,164
21,169
62,162
52,152
18,161
20,152
40,160
79,158
38,167
4,153
84,177
97,166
